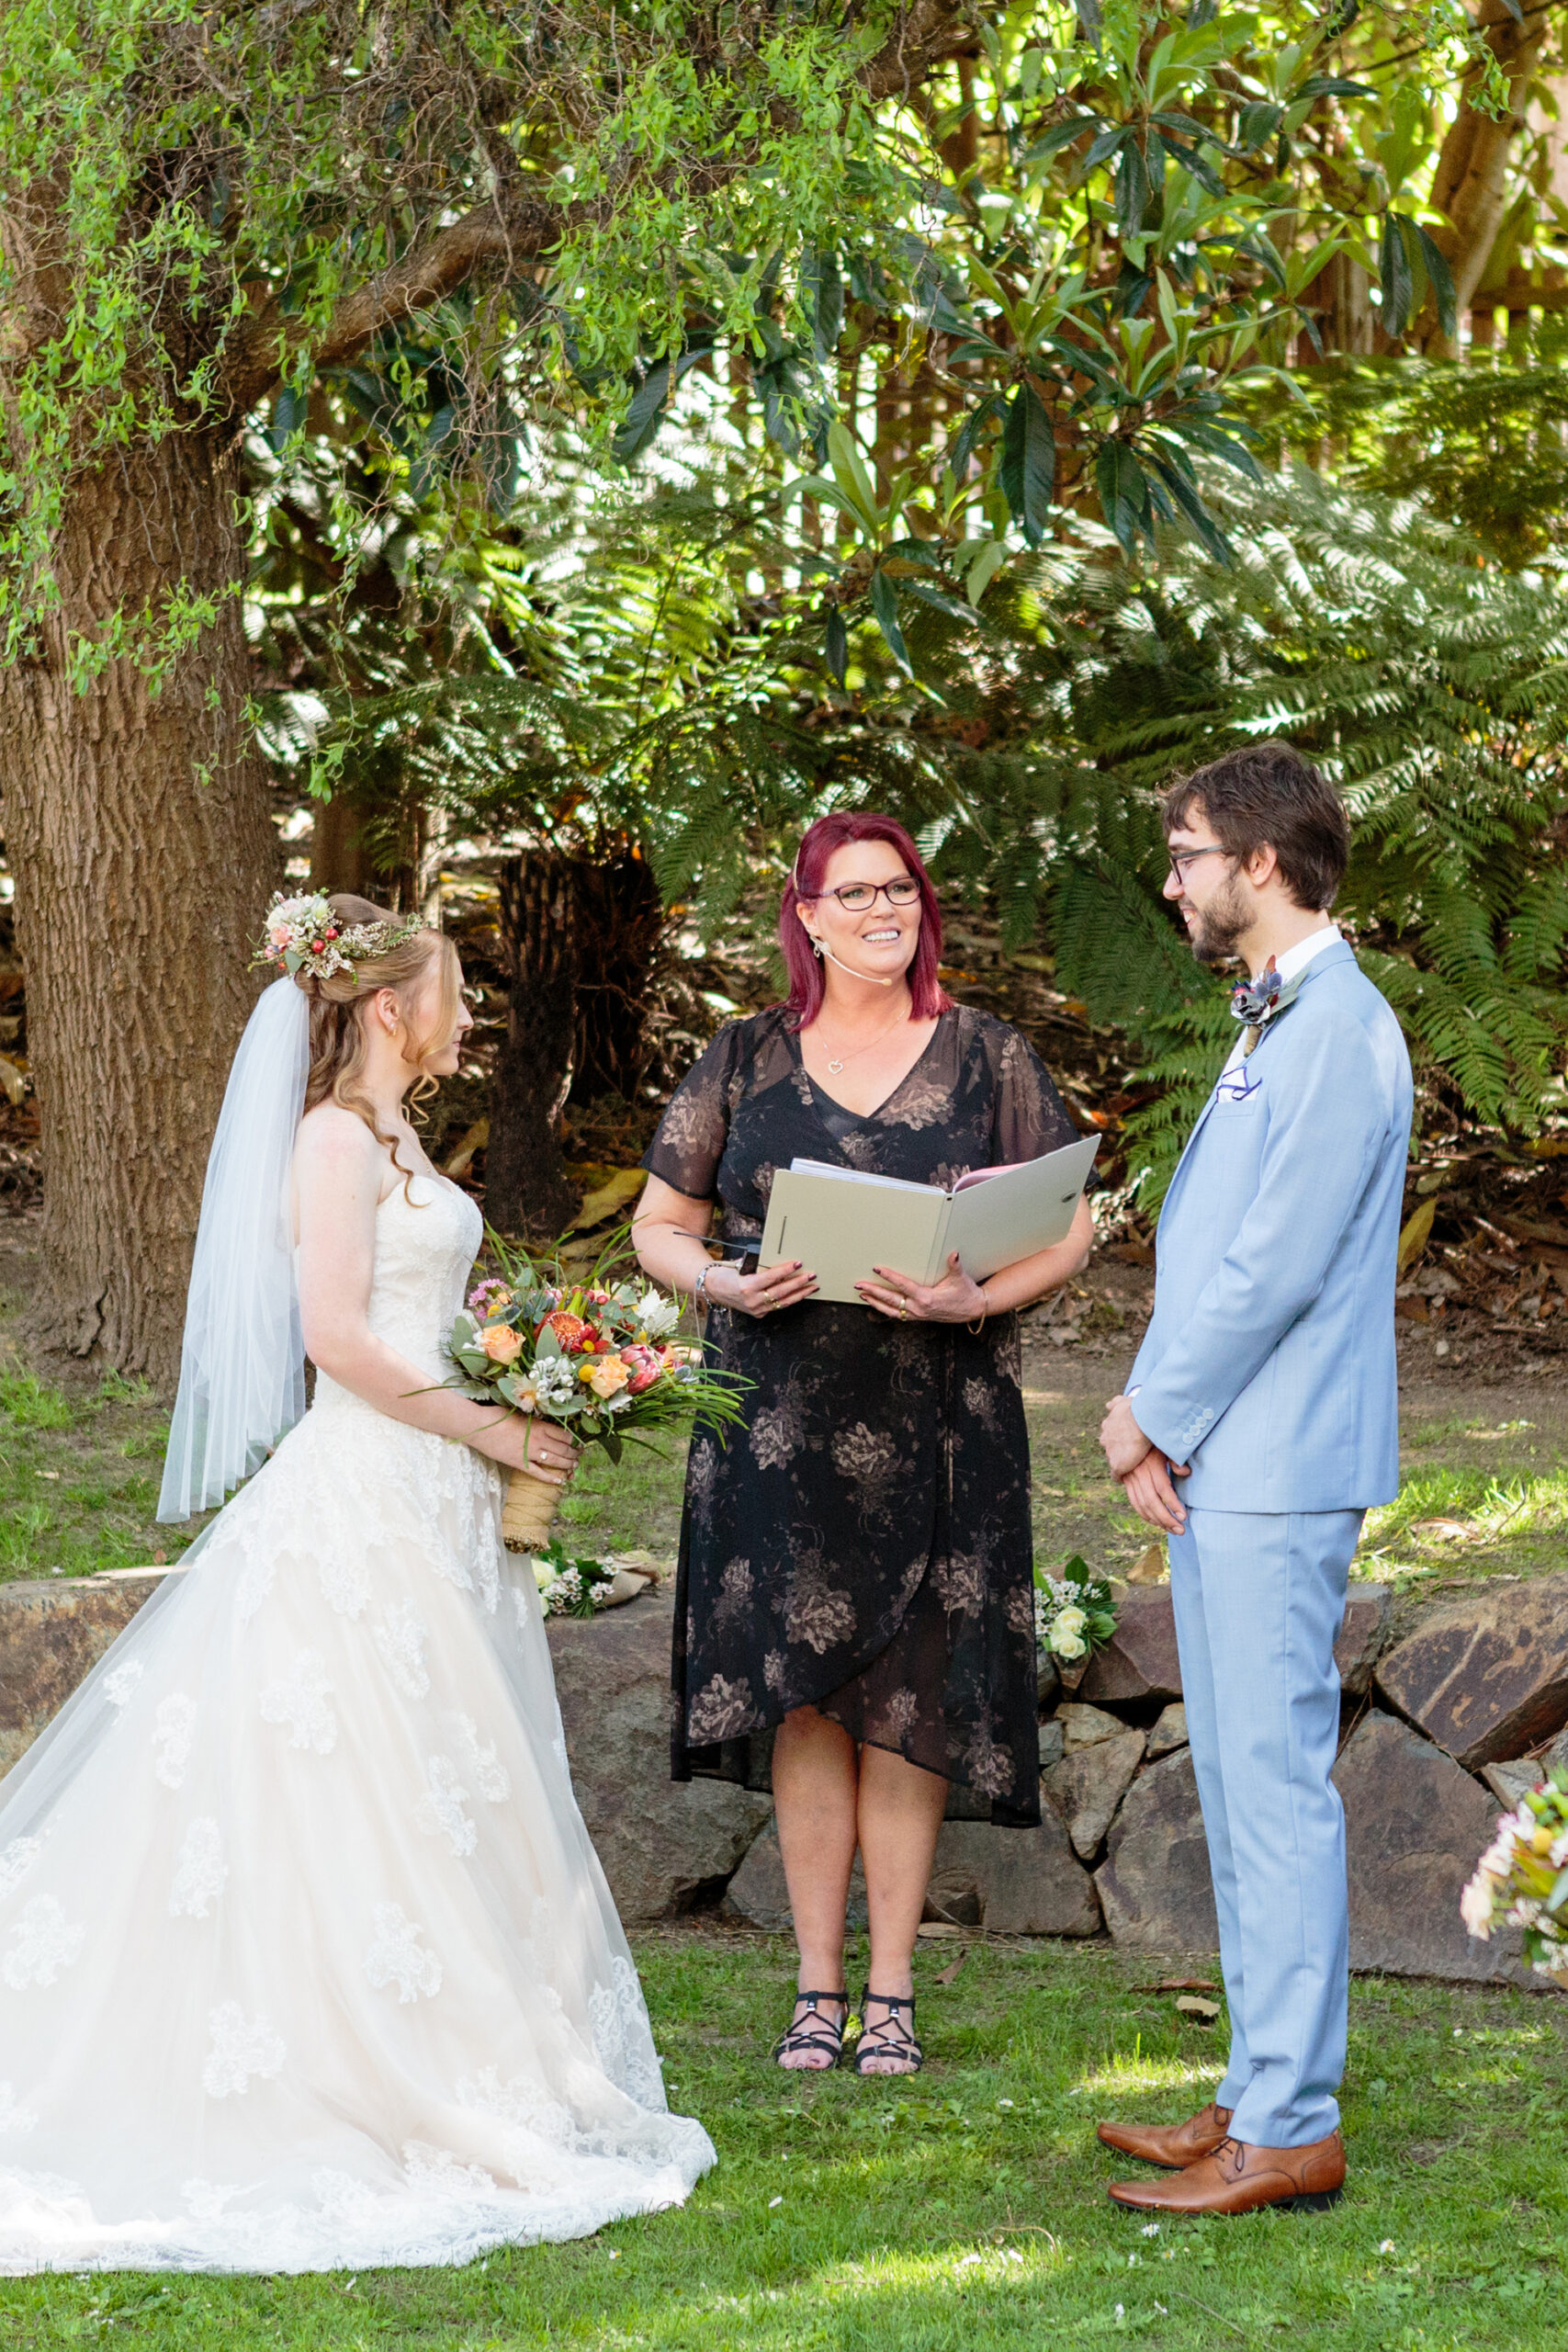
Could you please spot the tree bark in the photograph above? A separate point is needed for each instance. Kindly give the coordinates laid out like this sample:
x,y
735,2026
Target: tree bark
x,y
139,830
527,1187
1471,181
619,916
580,936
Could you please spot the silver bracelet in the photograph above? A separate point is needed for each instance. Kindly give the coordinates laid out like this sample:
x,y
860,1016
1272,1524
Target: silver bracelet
x,y
700,1287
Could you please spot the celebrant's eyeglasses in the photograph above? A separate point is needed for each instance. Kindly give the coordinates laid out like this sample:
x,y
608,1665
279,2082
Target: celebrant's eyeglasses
x,y
855,897
1180,859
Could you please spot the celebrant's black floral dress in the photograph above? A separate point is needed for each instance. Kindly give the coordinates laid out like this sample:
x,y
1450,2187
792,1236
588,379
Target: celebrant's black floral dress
x,y
863,1544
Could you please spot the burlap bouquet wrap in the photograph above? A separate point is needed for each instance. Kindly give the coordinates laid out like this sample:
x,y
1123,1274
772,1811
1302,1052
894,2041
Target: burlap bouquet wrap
x,y
529,1511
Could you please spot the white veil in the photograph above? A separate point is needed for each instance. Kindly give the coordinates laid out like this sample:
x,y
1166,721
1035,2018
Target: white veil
x,y
243,1363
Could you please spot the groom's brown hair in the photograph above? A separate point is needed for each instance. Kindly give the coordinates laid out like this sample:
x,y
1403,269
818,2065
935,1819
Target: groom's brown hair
x,y
1266,795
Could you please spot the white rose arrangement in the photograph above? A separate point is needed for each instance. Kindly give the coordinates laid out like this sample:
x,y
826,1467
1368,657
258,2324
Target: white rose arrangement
x,y
1074,1612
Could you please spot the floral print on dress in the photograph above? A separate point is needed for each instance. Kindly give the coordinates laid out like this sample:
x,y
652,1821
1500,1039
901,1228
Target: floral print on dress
x,y
878,1494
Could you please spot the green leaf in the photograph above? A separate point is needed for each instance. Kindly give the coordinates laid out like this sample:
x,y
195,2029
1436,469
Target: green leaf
x,y
640,423
1393,268
969,433
838,643
1123,492
1027,471
1059,135
824,289
1203,524
1442,279
1131,189
884,604
287,417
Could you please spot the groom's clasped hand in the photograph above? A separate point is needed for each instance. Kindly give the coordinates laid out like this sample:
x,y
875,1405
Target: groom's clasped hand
x,y
1142,1469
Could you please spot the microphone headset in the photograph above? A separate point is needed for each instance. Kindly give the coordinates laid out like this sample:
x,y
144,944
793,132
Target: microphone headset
x,y
876,979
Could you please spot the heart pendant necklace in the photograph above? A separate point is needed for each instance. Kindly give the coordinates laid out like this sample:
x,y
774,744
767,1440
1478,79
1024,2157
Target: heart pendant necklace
x,y
835,1067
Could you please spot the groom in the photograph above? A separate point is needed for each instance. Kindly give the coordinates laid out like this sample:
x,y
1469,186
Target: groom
x,y
1260,1423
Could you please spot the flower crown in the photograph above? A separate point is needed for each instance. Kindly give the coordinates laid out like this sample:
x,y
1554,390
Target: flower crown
x,y
305,934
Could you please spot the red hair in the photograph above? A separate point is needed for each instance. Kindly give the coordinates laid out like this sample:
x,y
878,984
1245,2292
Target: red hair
x,y
806,881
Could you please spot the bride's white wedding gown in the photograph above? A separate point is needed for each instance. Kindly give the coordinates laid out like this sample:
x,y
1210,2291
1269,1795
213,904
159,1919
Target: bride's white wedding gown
x,y
306,1960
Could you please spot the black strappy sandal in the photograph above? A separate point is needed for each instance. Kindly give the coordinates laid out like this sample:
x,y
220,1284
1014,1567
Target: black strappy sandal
x,y
872,2045
802,2036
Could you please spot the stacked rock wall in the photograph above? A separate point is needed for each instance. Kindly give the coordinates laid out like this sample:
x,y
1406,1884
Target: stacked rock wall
x,y
1445,1717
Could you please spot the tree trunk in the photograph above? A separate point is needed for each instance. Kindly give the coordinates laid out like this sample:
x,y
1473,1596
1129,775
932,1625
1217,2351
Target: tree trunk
x,y
579,935
618,918
341,862
139,830
1471,181
527,1187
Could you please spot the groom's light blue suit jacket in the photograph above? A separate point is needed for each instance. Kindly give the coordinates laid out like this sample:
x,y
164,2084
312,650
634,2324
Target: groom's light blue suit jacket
x,y
1268,1363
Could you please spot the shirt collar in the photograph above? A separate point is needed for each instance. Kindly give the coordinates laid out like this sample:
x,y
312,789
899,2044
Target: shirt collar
x,y
1305,950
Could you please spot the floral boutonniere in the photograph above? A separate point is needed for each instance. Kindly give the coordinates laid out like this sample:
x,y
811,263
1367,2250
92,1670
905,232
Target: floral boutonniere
x,y
1261,1000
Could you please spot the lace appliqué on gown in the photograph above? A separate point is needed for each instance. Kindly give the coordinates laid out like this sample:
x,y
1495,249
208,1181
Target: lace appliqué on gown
x,y
305,1958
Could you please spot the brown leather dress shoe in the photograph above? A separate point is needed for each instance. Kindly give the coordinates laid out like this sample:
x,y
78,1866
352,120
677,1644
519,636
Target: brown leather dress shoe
x,y
1239,2179
1175,2145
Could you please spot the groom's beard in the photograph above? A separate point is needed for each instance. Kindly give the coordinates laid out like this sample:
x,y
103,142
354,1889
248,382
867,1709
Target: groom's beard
x,y
1219,925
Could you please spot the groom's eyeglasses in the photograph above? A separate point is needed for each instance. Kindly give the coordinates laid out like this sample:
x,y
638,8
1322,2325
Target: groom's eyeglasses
x,y
1180,859
855,897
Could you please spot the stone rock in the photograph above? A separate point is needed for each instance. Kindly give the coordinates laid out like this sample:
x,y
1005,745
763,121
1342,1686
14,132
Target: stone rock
x,y
759,1894
1139,1661
1083,1727
1487,1677
663,1846
1415,1828
1362,1635
1047,1678
1558,1752
1087,1787
1154,1883
1509,1782
1053,1744
1011,1882
1169,1734
51,1637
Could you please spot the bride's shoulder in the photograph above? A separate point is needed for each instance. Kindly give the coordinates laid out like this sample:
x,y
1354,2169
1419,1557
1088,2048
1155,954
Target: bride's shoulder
x,y
336,1145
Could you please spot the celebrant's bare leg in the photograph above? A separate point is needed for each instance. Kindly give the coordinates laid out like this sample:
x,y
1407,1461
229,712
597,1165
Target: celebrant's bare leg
x,y
901,1812
814,1797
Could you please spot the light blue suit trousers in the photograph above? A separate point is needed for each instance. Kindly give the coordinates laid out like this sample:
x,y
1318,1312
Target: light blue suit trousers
x,y
1258,1598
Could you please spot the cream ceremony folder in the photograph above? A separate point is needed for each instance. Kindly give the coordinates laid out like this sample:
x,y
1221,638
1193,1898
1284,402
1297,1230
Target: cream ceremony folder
x,y
843,1224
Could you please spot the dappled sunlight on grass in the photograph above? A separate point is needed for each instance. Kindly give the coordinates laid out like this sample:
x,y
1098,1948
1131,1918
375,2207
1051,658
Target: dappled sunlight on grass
x,y
1123,2072
1468,1519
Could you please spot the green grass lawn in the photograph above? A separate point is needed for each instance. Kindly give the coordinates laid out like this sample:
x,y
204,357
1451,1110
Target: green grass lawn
x,y
1480,1496
965,2211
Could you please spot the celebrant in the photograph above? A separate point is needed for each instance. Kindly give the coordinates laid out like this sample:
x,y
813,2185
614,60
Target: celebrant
x,y
855,1575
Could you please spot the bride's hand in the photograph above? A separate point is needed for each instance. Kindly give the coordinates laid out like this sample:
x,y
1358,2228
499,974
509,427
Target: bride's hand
x,y
522,1441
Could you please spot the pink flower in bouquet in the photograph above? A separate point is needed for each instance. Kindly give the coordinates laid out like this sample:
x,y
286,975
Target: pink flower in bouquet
x,y
597,1297
645,1368
489,1297
607,1377
501,1343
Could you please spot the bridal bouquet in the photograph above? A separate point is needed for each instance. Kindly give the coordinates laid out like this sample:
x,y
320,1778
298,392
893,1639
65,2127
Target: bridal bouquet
x,y
1521,1881
1074,1614
596,1358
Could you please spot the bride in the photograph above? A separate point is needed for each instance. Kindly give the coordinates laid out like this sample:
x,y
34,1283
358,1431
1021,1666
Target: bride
x,y
305,1957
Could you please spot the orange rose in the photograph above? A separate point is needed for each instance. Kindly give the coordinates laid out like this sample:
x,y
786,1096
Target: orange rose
x,y
608,1376
501,1343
